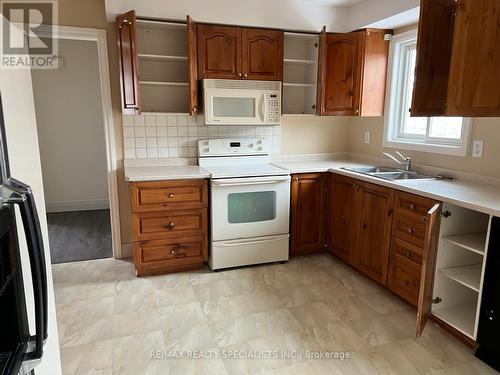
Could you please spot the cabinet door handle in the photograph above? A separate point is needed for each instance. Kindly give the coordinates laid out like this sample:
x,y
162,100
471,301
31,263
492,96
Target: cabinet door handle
x,y
410,230
245,75
239,74
408,254
171,225
173,251
170,195
296,179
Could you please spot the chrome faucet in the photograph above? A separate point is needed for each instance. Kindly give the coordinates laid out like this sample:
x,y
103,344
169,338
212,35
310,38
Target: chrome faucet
x,y
406,161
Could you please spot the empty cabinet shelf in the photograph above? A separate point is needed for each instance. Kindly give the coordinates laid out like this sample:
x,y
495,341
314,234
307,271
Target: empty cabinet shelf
x,y
469,276
461,318
475,242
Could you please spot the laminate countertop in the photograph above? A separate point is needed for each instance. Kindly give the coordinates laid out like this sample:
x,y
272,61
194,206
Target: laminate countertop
x,y
476,195
479,196
164,173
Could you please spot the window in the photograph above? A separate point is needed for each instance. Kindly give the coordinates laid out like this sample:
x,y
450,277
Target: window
x,y
445,135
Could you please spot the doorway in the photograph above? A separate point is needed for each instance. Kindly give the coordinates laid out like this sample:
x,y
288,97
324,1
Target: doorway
x,y
74,124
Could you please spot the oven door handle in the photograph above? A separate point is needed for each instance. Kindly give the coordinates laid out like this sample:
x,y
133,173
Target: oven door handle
x,y
243,242
247,182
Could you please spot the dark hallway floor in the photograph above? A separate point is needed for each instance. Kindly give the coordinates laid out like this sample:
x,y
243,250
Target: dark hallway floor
x,y
79,235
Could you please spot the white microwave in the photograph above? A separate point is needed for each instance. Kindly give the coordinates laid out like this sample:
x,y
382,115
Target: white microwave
x,y
241,102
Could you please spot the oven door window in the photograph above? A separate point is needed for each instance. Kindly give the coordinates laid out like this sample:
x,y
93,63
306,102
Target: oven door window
x,y
233,107
251,207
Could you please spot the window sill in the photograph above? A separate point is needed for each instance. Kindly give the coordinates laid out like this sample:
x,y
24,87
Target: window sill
x,y
404,144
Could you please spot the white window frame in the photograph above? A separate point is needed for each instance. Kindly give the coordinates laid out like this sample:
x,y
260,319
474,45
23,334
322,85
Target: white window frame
x,y
393,124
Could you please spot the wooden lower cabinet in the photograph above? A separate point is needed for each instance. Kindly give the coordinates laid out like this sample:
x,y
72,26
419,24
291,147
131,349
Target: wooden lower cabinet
x,y
169,225
373,240
360,225
390,236
344,218
309,213
404,281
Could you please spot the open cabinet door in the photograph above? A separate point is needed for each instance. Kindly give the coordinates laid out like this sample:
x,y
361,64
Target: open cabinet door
x,y
321,72
192,67
127,54
434,44
432,220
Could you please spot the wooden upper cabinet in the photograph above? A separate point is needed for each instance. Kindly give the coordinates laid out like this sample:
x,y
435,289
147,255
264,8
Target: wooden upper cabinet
x,y
474,88
219,51
308,213
262,54
127,56
192,67
435,32
458,54
341,78
239,53
432,221
372,252
345,210
352,75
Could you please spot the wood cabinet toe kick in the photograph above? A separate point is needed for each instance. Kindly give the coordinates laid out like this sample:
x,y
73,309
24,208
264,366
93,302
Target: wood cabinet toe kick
x,y
169,225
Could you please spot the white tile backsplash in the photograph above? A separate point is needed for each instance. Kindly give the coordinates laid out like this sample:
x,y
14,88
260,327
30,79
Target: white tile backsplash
x,y
161,135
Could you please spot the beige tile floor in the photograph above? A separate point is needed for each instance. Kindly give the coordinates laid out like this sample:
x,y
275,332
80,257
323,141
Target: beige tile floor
x,y
110,321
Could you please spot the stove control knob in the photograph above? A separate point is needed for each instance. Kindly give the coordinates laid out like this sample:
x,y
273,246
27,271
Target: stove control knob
x,y
207,149
260,149
250,145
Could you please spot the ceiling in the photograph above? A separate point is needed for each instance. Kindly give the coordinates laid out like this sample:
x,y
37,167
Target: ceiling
x,y
340,3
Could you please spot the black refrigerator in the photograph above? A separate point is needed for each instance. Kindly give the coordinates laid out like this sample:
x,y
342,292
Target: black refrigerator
x,y
20,351
489,318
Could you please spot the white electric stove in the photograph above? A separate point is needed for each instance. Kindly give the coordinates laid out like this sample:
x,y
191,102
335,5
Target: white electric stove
x,y
250,203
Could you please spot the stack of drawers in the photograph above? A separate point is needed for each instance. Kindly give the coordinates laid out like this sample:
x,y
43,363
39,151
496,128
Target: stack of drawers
x,y
407,243
169,225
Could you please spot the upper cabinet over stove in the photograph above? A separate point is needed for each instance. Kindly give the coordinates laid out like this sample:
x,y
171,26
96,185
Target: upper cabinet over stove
x,y
239,53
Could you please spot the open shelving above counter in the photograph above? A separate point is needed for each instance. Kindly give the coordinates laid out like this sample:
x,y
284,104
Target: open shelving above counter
x,y
300,70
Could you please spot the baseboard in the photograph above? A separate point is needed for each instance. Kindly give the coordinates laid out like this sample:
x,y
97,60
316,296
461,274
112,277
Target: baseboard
x,y
126,250
100,204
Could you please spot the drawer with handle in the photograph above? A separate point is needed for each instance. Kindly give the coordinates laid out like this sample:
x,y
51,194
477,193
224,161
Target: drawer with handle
x,y
408,229
158,196
413,207
406,253
173,255
404,281
169,224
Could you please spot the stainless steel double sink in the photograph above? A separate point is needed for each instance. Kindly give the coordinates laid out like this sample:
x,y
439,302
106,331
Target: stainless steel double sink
x,y
388,173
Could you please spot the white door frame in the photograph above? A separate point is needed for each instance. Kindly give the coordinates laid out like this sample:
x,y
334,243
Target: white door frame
x,y
99,36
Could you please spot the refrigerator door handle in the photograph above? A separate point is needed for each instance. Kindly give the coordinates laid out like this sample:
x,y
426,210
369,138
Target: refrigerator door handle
x,y
36,254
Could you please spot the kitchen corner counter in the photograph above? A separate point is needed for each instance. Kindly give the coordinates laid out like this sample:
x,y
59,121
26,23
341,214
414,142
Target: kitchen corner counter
x,y
475,195
156,170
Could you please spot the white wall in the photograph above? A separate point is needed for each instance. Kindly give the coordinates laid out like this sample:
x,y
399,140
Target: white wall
x,y
382,14
24,155
70,128
284,14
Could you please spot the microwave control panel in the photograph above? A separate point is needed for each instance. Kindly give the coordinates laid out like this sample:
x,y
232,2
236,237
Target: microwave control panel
x,y
273,108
